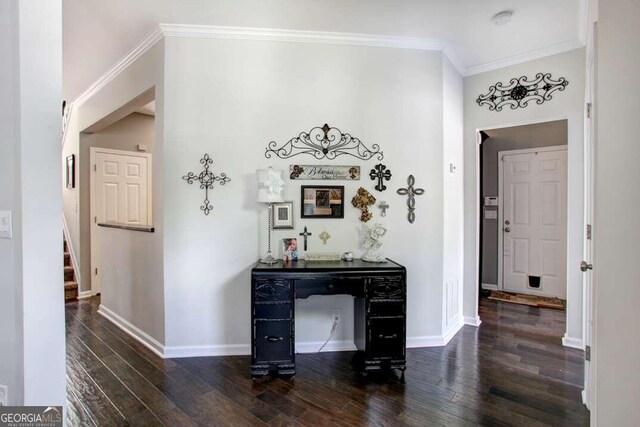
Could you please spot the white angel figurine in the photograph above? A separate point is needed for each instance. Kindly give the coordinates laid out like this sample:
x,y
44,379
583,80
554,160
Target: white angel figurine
x,y
372,242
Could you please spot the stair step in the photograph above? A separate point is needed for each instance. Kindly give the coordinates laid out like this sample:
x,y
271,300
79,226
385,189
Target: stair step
x,y
69,274
67,259
70,291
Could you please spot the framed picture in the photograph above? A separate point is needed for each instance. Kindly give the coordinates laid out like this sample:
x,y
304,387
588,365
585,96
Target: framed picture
x,y
71,171
322,201
282,215
290,249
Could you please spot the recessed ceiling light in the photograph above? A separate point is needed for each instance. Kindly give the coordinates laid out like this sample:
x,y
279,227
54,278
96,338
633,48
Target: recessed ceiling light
x,y
502,18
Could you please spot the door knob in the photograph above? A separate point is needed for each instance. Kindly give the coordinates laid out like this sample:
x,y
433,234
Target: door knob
x,y
507,230
507,222
584,266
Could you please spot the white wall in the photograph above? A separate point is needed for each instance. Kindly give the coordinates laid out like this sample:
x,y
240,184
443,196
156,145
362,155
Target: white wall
x,y
616,347
229,98
144,278
569,105
32,301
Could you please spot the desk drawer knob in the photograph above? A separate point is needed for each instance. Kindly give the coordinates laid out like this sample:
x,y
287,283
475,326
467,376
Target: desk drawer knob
x,y
272,338
388,337
330,286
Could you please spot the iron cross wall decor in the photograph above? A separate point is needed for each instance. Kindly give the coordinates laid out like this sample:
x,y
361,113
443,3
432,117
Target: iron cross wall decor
x,y
324,143
206,178
305,235
411,192
519,92
380,172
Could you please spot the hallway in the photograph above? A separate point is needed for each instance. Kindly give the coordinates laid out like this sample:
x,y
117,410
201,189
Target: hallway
x,y
512,370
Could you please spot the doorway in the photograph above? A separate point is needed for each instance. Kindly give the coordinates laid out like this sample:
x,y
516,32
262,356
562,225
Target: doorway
x,y
523,209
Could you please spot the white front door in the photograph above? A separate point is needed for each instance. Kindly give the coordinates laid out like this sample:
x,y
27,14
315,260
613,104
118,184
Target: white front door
x,y
120,193
534,189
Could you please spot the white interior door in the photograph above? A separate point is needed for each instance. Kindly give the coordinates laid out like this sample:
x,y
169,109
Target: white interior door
x,y
120,193
534,230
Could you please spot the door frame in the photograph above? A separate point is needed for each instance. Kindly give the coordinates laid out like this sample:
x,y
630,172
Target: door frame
x,y
501,199
96,285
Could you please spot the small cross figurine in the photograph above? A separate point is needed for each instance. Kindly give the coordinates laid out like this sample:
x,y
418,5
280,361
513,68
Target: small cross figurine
x,y
383,206
380,174
410,192
324,236
305,235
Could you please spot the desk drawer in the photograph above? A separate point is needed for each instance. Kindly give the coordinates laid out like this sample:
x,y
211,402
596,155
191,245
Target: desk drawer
x,y
386,308
386,337
347,286
272,341
272,310
272,290
386,287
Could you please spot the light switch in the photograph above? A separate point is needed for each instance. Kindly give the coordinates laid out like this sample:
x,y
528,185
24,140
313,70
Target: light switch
x,y
490,214
6,229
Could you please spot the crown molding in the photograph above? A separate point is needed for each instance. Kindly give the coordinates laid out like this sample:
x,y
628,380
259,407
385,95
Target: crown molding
x,y
154,37
320,37
525,57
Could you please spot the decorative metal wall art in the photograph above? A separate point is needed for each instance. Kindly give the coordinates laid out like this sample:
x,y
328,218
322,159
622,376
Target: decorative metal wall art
x,y
362,200
324,236
206,178
305,235
519,92
380,172
324,143
411,192
383,208
324,172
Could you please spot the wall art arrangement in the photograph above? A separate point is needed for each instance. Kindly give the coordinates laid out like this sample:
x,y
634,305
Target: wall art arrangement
x,y
282,215
381,173
362,200
206,178
324,142
411,192
519,92
289,249
71,171
324,172
322,201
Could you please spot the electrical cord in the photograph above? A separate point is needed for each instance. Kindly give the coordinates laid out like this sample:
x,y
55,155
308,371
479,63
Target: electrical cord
x,y
333,332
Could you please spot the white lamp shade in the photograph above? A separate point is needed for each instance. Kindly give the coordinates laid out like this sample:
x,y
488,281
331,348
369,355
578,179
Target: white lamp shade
x,y
270,185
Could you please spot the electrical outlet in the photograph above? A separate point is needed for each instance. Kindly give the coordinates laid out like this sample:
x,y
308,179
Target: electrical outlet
x,y
335,314
4,395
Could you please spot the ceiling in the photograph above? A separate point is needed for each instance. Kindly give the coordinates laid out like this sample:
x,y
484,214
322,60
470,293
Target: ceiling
x,y
98,33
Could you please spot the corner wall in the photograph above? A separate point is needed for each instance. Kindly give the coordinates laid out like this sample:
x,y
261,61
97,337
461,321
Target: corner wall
x,y
569,105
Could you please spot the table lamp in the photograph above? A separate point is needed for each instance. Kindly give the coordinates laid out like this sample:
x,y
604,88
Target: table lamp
x,y
270,186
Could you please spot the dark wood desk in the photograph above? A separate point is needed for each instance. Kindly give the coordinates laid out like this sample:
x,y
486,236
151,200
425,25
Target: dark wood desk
x,y
379,311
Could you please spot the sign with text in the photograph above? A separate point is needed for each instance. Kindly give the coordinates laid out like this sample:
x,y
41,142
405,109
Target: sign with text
x,y
324,172
30,416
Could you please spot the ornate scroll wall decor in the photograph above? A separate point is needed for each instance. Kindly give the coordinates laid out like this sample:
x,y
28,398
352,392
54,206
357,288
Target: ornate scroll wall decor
x,y
411,192
519,92
324,143
206,178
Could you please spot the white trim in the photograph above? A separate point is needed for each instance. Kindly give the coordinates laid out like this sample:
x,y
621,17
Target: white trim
x,y
525,57
72,252
436,340
298,36
175,352
313,346
85,294
572,342
490,286
135,332
150,41
472,321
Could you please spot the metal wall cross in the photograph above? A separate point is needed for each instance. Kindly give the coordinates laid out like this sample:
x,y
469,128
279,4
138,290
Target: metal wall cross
x,y
380,172
206,178
383,207
305,235
411,192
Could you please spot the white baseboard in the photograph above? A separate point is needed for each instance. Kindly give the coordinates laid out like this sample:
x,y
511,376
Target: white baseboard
x,y
490,286
435,340
85,294
472,321
572,342
135,332
313,346
174,352
453,330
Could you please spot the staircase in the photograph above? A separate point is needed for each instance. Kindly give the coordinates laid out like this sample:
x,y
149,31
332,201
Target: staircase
x,y
70,284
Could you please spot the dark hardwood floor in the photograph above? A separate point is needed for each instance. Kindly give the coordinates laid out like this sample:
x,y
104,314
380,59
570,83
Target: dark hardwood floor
x,y
512,370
